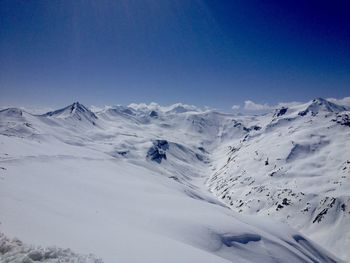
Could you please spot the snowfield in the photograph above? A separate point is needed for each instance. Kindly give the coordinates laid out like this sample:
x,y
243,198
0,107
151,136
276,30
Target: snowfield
x,y
146,183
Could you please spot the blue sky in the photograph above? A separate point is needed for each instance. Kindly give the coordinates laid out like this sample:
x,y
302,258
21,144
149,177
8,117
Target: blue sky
x,y
214,53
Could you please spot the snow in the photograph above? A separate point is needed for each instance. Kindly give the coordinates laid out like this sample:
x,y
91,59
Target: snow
x,y
13,250
82,180
296,169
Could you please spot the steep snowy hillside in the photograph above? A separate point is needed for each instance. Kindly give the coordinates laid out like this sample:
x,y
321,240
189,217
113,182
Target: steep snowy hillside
x,y
295,168
128,184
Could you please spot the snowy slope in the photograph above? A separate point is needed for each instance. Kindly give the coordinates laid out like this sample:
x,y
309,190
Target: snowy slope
x,y
128,184
296,169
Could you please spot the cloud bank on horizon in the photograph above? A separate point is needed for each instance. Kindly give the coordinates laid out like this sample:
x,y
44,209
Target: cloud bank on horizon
x,y
251,106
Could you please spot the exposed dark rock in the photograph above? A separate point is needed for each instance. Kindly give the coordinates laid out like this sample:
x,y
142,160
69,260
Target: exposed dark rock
x,y
267,161
255,128
123,153
285,201
153,114
161,144
343,119
303,113
156,155
320,216
272,173
157,152
279,206
252,128
200,157
202,149
280,112
343,207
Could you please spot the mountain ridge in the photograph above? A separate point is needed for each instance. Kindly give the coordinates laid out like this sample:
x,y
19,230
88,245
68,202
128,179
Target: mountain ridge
x,y
278,165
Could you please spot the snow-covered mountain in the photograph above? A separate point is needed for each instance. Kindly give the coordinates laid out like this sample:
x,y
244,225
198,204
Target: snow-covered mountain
x,y
76,111
295,168
132,183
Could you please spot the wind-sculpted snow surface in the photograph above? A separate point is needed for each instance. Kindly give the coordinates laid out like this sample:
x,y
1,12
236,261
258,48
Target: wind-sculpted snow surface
x,y
129,183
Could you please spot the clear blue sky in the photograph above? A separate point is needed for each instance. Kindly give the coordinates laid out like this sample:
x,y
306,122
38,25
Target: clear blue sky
x,y
215,53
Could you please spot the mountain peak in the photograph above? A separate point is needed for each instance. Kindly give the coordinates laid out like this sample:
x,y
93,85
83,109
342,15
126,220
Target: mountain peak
x,y
320,100
76,110
76,106
11,112
321,104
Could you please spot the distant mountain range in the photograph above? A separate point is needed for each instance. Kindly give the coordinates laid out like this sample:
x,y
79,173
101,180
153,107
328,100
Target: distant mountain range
x,y
144,175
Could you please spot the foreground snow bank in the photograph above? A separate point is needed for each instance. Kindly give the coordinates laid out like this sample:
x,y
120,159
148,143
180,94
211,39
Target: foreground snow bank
x,y
13,250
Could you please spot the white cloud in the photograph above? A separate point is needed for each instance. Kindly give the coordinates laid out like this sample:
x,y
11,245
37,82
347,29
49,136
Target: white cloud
x,y
94,108
287,104
144,106
236,107
177,107
344,101
253,106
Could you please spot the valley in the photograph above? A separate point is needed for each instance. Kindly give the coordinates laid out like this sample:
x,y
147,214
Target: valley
x,y
146,183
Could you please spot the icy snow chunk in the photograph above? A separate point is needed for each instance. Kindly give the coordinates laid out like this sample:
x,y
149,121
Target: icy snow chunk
x,y
13,250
